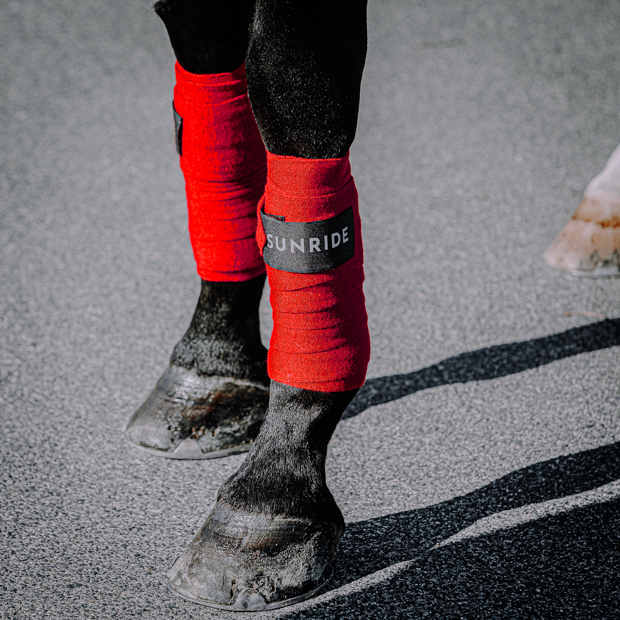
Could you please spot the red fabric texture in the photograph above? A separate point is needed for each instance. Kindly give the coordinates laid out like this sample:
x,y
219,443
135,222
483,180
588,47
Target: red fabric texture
x,y
320,339
224,163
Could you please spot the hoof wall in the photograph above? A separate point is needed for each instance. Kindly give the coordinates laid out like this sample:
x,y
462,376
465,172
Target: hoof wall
x,y
251,600
190,450
190,416
243,561
589,244
600,271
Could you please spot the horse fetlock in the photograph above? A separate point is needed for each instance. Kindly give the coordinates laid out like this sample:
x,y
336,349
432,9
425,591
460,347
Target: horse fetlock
x,y
284,473
223,338
275,527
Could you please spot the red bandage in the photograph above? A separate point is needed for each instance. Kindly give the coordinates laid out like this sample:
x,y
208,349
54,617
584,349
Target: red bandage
x,y
224,164
320,338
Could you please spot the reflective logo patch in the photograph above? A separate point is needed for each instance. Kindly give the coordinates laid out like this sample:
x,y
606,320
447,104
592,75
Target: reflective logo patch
x,y
308,247
178,130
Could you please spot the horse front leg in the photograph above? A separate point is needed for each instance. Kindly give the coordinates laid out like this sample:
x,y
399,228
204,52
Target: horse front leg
x,y
212,398
271,536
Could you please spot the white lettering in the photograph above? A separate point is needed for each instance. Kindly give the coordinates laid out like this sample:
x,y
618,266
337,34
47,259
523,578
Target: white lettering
x,y
294,245
314,243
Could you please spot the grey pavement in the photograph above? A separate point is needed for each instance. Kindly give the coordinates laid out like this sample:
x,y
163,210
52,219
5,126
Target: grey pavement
x,y
479,469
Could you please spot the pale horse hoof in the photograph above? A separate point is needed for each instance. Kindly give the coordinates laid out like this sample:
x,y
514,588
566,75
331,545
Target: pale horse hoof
x,y
589,245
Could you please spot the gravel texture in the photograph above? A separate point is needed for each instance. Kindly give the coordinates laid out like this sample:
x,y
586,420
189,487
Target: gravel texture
x,y
476,482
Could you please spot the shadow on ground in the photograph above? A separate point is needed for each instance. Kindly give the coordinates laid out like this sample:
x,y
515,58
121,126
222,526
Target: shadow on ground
x,y
564,566
489,363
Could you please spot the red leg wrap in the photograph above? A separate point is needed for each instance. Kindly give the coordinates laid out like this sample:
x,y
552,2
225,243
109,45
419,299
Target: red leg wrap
x,y
224,164
320,339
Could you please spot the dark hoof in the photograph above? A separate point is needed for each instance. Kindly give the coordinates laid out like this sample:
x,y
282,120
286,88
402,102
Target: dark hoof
x,y
190,416
243,561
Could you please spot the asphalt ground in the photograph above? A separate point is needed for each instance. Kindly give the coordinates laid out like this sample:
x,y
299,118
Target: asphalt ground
x,y
479,468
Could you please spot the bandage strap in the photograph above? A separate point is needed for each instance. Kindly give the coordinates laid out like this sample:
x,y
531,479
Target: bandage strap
x,y
320,339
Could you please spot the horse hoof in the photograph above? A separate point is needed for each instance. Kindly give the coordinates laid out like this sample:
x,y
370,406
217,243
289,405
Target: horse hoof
x,y
190,416
589,244
241,561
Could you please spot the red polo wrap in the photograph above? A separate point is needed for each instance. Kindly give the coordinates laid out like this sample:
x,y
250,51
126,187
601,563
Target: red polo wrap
x,y
320,338
224,164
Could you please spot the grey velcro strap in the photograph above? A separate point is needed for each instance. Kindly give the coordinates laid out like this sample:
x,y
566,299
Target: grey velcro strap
x,y
309,247
178,130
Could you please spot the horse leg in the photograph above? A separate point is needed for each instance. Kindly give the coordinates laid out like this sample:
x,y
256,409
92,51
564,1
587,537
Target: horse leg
x,y
212,398
589,244
274,529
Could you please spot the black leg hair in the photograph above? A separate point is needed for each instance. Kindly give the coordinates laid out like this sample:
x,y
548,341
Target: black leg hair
x,y
304,63
304,68
223,338
285,472
207,36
